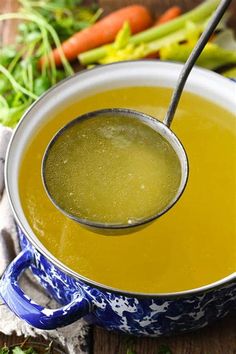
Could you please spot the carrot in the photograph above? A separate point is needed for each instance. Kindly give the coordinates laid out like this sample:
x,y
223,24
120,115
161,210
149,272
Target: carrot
x,y
168,15
102,32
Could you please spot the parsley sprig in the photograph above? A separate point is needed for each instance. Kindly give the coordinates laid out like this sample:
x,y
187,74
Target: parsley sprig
x,y
25,348
43,25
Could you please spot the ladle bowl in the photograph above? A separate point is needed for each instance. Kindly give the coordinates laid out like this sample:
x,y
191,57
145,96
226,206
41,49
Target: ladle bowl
x,y
153,123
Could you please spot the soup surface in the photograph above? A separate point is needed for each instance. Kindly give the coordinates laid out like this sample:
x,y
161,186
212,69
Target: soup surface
x,y
112,169
192,245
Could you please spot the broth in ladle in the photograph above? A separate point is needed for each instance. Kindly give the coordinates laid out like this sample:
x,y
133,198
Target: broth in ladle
x,y
112,169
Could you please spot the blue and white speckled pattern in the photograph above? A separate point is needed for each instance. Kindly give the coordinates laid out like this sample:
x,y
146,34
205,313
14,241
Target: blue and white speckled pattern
x,y
27,309
150,316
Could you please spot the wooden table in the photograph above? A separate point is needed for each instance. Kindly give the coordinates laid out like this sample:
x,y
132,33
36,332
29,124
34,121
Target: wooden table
x,y
219,338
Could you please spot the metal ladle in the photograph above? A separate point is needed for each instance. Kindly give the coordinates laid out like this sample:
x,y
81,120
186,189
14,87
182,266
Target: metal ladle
x,y
163,128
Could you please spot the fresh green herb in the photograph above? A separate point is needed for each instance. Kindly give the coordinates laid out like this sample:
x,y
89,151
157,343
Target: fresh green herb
x,y
65,16
164,349
4,350
130,343
130,351
19,350
44,24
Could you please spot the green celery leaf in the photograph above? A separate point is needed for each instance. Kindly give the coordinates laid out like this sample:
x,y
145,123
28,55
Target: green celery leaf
x,y
17,99
230,73
7,53
65,22
41,84
212,57
123,36
81,25
4,84
60,75
4,350
10,116
33,36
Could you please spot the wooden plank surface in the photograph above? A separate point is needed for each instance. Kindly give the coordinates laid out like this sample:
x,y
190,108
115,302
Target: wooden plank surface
x,y
219,338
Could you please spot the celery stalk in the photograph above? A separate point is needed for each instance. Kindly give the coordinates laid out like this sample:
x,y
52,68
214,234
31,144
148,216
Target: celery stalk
x,y
131,52
198,14
94,55
212,57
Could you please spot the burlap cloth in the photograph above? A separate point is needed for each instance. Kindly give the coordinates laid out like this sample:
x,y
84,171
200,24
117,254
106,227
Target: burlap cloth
x,y
72,337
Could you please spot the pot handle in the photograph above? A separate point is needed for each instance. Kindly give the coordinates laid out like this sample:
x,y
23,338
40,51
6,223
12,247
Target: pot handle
x,y
25,308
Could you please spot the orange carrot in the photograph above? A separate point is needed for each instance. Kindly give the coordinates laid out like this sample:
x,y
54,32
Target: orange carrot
x,y
154,55
168,15
102,32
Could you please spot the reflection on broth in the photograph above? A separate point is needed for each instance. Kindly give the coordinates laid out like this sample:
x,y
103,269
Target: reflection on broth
x,y
192,245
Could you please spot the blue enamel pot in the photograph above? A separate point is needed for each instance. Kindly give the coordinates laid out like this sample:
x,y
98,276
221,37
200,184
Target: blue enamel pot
x,y
138,314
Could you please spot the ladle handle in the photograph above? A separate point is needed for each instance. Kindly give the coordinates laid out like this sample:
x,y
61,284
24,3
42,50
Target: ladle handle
x,y
192,59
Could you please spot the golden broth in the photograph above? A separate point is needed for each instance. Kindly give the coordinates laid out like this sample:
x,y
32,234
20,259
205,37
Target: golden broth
x,y
112,169
192,245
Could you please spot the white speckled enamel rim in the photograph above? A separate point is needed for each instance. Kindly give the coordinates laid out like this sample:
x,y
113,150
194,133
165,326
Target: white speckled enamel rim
x,y
137,73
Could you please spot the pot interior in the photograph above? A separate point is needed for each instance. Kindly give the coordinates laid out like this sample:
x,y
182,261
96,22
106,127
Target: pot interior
x,y
144,77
